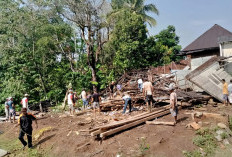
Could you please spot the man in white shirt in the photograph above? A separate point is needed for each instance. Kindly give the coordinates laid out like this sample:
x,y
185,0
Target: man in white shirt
x,y
84,98
71,102
140,84
24,102
127,100
147,91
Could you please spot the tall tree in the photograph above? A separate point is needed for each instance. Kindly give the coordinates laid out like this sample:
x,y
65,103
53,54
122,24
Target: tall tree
x,y
126,46
87,16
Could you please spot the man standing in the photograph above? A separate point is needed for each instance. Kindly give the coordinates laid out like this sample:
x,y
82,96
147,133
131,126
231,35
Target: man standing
x,y
25,122
230,92
11,107
112,89
96,99
225,92
127,100
24,102
147,91
84,98
6,109
173,103
71,102
140,84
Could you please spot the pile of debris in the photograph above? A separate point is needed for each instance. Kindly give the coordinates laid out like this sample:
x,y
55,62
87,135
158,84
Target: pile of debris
x,y
161,83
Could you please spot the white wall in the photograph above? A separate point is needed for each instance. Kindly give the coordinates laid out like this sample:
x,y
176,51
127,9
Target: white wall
x,y
196,62
226,49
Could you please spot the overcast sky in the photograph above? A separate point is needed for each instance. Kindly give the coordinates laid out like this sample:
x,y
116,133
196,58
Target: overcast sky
x,y
191,17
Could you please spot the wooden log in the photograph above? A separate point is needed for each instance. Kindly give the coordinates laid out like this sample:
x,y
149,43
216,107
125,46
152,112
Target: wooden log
x,y
97,132
127,126
110,126
160,123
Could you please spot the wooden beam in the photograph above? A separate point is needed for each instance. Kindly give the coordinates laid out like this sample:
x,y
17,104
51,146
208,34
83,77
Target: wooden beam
x,y
127,126
160,123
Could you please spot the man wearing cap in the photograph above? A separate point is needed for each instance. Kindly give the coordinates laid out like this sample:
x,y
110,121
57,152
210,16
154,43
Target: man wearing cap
x,y
173,103
71,102
11,107
24,102
25,122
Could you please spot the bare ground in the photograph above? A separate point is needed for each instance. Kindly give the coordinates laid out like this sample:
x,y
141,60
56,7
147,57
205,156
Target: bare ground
x,y
67,138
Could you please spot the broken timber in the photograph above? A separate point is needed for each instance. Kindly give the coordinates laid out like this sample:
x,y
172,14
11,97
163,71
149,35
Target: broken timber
x,y
160,123
114,128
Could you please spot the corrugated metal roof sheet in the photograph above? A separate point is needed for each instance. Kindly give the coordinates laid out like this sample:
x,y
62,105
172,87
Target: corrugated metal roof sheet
x,y
208,40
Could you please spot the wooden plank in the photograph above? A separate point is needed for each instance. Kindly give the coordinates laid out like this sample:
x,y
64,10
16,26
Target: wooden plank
x,y
127,126
160,123
110,126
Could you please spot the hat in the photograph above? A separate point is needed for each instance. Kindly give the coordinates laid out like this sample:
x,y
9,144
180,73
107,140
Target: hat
x,y
10,98
70,91
26,95
172,88
24,110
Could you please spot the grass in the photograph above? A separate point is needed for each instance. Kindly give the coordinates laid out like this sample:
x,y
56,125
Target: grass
x,y
206,141
14,147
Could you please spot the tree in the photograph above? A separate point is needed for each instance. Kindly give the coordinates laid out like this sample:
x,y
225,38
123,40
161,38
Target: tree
x,y
87,17
29,49
137,7
126,45
163,48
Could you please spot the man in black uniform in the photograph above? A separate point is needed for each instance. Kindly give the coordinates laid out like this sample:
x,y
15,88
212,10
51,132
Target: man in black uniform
x,y
25,122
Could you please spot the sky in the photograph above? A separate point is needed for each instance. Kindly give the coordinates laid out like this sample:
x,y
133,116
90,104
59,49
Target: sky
x,y
191,18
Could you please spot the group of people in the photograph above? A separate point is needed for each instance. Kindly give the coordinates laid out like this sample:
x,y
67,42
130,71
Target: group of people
x,y
93,99
227,92
147,88
10,107
24,121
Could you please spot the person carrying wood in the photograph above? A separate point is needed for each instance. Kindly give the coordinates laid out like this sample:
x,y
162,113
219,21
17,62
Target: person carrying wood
x,y
173,103
225,92
71,102
25,122
147,92
96,99
127,100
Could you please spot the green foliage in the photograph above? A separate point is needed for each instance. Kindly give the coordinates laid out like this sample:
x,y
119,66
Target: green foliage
x,y
205,140
127,43
194,153
143,147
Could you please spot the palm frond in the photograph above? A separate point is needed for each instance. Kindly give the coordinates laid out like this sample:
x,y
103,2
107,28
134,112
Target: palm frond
x,y
150,20
151,8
